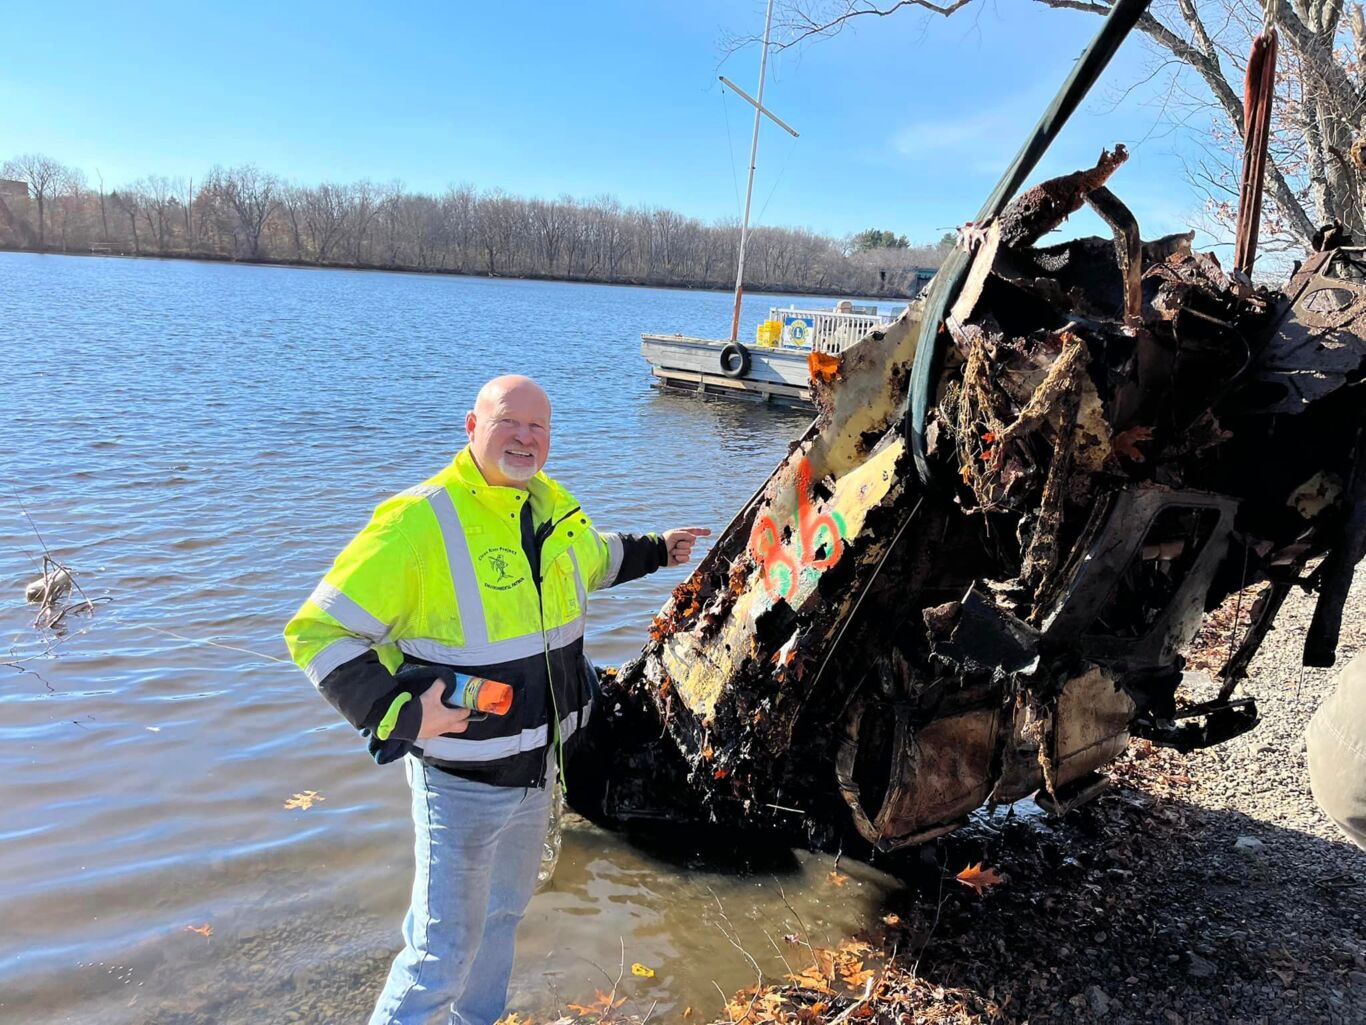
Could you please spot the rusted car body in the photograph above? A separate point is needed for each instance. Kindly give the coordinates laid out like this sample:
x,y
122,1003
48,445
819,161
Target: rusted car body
x,y
1117,436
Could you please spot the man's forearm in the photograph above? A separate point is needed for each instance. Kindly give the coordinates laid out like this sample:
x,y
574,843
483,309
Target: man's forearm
x,y
352,689
641,555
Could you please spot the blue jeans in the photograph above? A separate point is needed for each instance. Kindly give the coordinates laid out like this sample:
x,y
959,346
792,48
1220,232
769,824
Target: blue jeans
x,y
478,848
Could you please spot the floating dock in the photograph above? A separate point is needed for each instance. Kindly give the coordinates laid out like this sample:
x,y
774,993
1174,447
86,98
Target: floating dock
x,y
773,371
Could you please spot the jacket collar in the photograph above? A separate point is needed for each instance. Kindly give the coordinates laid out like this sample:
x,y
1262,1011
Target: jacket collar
x,y
548,499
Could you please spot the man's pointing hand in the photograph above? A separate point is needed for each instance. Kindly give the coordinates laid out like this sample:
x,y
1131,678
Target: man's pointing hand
x,y
680,540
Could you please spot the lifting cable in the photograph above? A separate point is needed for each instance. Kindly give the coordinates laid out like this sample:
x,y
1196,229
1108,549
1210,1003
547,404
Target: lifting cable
x,y
933,340
1259,86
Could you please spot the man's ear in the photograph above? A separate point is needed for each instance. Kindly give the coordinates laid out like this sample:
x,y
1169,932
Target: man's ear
x,y
469,424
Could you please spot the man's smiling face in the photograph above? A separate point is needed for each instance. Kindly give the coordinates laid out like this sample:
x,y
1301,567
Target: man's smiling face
x,y
509,430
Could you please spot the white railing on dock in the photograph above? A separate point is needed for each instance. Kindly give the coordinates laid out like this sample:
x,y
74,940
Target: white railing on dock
x,y
825,330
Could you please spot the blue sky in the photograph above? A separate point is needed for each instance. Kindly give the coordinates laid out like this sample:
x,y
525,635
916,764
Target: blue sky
x,y
906,121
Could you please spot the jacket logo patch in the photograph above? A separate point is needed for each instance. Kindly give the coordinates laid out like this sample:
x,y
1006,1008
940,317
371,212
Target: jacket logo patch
x,y
496,569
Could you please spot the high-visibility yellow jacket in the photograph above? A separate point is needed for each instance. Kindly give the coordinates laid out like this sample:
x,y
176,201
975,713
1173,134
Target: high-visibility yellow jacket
x,y
443,576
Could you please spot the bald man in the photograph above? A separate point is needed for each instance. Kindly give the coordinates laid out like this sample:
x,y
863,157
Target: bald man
x,y
450,633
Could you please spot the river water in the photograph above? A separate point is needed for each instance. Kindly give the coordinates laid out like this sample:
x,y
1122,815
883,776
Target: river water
x,y
196,441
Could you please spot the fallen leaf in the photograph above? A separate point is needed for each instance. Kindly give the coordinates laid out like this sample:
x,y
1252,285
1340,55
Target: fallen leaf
x,y
891,919
305,799
989,437
979,878
1125,442
642,970
720,774
855,979
855,947
812,979
837,878
205,930
601,1006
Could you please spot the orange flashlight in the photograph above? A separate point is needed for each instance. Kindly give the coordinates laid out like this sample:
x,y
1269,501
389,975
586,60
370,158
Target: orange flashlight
x,y
480,695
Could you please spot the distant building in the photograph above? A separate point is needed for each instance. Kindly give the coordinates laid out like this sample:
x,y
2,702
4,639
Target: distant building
x,y
13,190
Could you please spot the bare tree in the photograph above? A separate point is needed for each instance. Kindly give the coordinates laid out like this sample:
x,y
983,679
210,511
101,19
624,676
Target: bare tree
x,y
292,201
495,226
364,201
1316,169
252,195
41,174
129,202
69,193
104,216
157,200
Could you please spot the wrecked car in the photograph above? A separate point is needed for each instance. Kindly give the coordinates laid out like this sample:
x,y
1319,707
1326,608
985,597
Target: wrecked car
x,y
973,577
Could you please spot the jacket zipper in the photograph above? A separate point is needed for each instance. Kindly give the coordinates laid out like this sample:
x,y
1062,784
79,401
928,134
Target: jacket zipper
x,y
553,739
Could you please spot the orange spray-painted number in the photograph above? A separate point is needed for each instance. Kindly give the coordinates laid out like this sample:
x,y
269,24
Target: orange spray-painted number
x,y
811,525
777,566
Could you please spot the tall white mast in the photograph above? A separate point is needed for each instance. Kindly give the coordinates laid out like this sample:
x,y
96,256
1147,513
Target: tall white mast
x,y
749,187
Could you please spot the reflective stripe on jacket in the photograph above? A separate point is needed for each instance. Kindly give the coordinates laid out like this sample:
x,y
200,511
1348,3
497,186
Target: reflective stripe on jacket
x,y
440,576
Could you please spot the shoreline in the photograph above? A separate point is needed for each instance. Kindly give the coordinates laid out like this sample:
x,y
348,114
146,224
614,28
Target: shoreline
x,y
887,296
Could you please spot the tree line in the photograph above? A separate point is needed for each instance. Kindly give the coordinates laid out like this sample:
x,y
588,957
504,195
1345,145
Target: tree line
x,y
245,213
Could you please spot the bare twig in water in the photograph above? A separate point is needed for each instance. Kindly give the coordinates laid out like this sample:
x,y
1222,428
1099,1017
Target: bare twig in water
x,y
611,1000
48,591
732,937
724,1002
57,579
85,606
18,662
735,942
806,936
779,951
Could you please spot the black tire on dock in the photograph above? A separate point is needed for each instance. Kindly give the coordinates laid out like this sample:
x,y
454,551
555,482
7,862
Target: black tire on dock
x,y
735,360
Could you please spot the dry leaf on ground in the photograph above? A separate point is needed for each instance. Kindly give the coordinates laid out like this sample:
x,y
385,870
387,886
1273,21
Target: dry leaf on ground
x,y
979,878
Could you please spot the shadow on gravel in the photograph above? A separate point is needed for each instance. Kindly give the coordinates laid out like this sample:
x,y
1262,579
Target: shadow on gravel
x,y
1145,909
